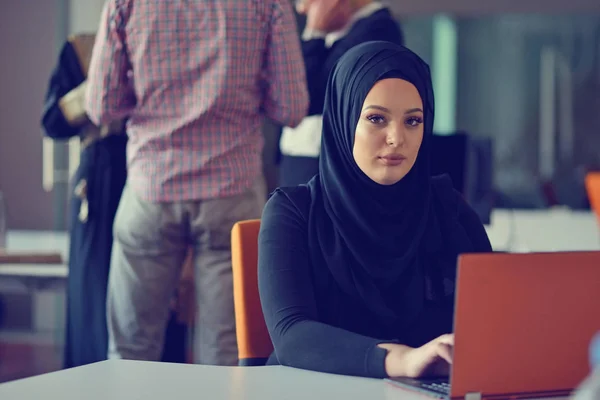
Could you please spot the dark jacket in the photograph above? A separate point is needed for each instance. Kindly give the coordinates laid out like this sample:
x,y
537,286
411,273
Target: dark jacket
x,y
320,60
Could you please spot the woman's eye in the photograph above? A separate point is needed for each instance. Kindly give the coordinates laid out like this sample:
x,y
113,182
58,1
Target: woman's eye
x,y
376,119
414,121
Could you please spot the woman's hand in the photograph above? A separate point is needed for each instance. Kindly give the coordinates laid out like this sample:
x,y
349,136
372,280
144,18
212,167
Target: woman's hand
x,y
431,359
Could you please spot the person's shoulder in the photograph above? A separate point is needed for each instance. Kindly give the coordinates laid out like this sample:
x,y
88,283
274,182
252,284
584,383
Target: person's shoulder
x,y
285,218
289,201
384,13
380,25
291,195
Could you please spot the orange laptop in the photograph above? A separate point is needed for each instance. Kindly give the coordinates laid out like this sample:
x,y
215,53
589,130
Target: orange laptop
x,y
523,324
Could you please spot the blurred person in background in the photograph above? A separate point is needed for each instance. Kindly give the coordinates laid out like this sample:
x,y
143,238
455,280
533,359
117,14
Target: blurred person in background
x,y
95,192
195,80
332,28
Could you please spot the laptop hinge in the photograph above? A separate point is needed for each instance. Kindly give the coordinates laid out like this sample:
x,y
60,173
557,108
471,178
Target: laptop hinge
x,y
473,396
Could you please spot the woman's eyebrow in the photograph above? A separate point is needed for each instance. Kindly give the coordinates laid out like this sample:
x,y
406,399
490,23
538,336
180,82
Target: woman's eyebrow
x,y
380,108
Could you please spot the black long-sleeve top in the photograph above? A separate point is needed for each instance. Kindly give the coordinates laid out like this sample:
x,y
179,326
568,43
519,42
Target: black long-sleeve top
x,y
312,323
320,59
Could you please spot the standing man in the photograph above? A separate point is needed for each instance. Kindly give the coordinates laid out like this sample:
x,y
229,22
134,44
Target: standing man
x,y
194,79
332,28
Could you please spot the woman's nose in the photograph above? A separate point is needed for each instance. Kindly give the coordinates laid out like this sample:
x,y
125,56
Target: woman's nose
x,y
396,137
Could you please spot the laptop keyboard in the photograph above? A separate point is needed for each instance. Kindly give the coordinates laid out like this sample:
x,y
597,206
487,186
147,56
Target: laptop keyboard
x,y
441,387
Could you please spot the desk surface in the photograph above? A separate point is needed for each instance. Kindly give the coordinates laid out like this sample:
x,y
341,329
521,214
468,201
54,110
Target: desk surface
x,y
35,270
40,241
548,230
133,380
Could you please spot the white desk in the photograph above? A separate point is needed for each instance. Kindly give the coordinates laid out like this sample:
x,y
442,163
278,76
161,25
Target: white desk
x,y
135,380
550,230
39,241
36,276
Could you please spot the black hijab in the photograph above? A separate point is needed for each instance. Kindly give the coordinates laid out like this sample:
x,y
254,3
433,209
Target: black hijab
x,y
373,237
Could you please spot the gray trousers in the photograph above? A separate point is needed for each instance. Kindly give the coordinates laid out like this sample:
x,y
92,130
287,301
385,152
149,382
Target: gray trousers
x,y
150,245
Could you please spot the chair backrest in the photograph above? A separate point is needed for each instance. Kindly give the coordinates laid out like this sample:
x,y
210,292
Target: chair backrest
x,y
254,342
592,185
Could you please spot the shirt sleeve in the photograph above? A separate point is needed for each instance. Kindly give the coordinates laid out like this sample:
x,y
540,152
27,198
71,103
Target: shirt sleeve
x,y
289,304
110,94
286,97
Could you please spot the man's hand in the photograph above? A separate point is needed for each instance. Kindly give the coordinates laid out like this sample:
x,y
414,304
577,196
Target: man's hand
x,y
325,15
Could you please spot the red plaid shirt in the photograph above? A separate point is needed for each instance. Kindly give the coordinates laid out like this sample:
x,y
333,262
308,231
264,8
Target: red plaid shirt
x,y
194,80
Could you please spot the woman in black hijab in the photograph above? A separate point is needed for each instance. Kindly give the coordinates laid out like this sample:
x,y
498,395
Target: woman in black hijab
x,y
357,268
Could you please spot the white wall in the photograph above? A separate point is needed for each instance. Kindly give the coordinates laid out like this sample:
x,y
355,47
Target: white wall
x,y
30,36
28,50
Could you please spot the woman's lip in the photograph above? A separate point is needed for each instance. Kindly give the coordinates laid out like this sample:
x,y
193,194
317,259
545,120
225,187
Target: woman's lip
x,y
392,161
393,157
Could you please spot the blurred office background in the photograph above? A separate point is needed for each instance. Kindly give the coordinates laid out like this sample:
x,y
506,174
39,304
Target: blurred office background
x,y
525,74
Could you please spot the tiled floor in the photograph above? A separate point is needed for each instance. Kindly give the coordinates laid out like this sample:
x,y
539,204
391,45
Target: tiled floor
x,y
21,360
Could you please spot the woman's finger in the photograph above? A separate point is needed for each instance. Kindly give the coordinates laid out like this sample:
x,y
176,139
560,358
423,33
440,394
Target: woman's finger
x,y
447,339
444,351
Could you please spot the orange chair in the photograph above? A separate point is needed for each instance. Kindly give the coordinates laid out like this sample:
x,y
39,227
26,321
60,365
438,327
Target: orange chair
x,y
592,184
254,342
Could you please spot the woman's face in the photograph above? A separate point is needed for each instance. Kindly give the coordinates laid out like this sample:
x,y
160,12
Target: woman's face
x,y
389,132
